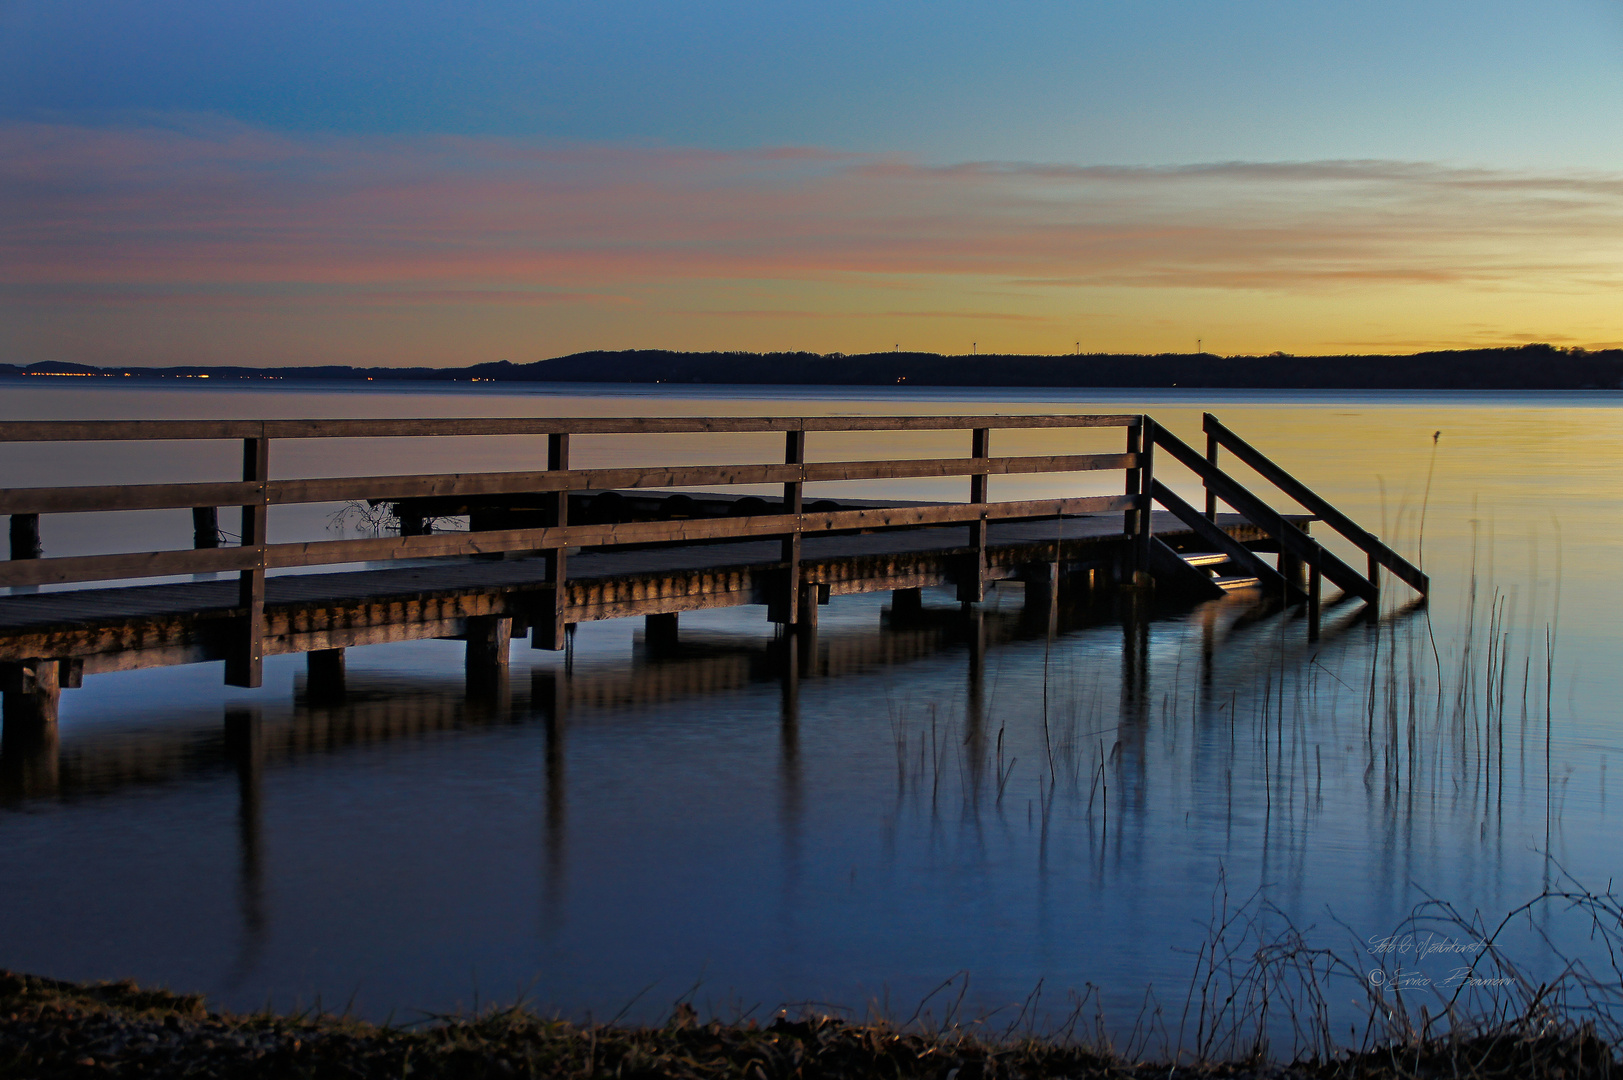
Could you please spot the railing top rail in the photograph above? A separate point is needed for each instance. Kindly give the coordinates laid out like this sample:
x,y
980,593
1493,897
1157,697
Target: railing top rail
x,y
1316,504
86,498
140,430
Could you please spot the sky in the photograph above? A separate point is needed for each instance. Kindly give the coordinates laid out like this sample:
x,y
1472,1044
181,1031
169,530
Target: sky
x,y
414,183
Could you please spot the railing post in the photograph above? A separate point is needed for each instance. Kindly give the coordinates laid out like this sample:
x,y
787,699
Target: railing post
x,y
1146,483
972,589
205,527
245,665
25,536
550,629
1211,459
1134,486
786,609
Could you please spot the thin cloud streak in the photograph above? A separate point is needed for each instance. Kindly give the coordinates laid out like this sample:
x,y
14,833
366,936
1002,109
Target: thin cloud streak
x,y
220,207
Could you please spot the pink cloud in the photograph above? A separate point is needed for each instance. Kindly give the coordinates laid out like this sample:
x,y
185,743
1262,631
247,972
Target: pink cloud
x,y
221,206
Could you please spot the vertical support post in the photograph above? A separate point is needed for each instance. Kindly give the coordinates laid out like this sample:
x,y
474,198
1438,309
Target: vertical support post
x,y
660,632
486,664
1375,574
324,670
549,630
1211,459
1134,486
972,589
906,603
1315,584
1146,484
1042,599
30,760
205,527
787,608
33,690
25,536
246,664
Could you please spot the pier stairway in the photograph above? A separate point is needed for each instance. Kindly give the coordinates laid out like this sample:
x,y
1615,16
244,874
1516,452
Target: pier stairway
x,y
1223,564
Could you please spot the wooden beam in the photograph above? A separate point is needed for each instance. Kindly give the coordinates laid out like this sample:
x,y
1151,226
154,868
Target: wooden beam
x,y
488,637
87,498
32,692
327,552
135,430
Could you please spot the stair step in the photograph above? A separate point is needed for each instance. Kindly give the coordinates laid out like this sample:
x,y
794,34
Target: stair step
x,y
1230,584
1204,558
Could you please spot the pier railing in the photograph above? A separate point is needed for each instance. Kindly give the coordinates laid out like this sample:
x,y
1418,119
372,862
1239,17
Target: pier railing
x,y
256,492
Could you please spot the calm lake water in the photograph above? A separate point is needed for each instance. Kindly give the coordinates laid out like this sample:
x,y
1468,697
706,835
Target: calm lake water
x,y
911,816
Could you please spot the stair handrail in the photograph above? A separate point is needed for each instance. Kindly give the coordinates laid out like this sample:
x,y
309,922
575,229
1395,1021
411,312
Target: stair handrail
x,y
1265,517
1219,434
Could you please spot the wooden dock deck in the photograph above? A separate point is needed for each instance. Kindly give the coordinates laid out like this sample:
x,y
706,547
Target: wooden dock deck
x,y
526,567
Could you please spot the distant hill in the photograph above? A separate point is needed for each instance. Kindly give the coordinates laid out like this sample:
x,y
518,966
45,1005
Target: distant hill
x,y
1528,367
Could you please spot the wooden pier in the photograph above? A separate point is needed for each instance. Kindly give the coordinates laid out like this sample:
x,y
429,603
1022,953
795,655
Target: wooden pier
x,y
547,548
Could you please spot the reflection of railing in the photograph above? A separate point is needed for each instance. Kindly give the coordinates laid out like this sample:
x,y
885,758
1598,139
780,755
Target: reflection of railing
x,y
256,492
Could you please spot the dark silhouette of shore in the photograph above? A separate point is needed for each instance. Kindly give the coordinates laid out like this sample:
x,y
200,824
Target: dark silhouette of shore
x,y
1528,367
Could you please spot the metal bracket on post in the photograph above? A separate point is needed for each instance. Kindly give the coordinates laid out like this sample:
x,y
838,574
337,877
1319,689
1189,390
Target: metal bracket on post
x,y
245,666
550,628
972,589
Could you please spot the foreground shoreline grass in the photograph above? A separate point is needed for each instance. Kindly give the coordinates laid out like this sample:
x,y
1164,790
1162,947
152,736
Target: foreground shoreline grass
x,y
50,1028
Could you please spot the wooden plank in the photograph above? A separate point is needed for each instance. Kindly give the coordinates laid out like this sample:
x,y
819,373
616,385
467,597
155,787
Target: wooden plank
x,y
88,498
343,489
66,500
327,552
1317,505
133,430
69,568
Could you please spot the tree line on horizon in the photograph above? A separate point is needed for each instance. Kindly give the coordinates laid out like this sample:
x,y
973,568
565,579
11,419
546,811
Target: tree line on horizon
x,y
1526,367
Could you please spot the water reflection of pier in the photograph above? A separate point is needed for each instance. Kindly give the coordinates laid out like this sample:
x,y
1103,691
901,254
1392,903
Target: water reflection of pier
x,y
327,717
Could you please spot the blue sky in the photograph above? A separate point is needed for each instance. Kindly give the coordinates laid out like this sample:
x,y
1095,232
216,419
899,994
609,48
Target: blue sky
x,y
1515,89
